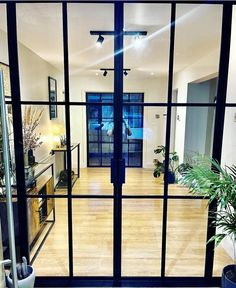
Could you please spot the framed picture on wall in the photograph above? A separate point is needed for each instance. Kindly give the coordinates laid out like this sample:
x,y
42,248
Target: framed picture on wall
x,y
52,93
6,79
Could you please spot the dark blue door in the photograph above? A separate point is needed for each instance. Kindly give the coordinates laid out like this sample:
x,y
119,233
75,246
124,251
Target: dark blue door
x,y
100,126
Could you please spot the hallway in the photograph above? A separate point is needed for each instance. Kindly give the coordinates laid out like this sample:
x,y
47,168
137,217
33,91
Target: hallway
x,y
142,230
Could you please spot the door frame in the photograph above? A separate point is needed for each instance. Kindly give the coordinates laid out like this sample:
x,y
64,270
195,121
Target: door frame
x,y
118,167
100,116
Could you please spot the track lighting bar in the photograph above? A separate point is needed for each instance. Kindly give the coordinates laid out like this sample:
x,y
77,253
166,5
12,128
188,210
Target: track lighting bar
x,y
125,70
112,33
112,69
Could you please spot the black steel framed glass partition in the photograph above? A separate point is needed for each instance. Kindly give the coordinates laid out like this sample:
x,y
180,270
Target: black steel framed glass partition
x,y
78,209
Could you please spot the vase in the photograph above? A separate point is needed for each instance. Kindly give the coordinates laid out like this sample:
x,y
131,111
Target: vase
x,y
31,158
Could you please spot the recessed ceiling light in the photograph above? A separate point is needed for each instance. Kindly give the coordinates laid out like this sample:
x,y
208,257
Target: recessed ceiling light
x,y
97,74
152,73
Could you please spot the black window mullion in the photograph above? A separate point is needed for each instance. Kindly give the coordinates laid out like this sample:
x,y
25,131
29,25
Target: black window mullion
x,y
219,121
117,155
68,135
167,140
17,128
142,123
128,126
100,131
87,129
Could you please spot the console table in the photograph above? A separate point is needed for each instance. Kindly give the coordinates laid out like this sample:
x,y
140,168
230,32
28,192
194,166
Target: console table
x,y
63,150
38,210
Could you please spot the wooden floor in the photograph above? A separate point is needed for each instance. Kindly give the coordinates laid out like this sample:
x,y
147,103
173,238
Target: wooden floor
x,y
141,230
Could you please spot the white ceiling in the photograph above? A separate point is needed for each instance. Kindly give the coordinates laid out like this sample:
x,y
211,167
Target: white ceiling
x,y
198,30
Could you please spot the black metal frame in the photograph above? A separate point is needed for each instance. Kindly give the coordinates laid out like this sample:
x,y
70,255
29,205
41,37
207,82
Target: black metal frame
x,y
100,117
77,175
50,166
118,172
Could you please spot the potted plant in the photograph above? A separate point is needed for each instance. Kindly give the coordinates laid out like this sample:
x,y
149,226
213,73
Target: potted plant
x,y
208,179
31,138
25,275
182,168
160,166
31,141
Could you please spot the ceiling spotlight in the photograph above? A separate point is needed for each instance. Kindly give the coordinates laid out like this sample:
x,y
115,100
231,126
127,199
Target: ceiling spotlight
x,y
125,73
99,41
105,73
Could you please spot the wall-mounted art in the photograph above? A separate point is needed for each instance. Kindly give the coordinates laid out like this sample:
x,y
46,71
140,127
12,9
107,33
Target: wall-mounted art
x,y
6,79
52,93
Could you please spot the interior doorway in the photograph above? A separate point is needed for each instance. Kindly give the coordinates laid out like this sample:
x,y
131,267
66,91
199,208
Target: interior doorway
x,y
100,127
199,121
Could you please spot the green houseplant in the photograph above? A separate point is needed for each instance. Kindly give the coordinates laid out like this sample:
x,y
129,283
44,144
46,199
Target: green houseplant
x,y
160,166
207,178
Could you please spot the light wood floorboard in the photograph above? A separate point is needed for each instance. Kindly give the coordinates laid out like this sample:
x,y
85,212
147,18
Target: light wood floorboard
x,y
142,230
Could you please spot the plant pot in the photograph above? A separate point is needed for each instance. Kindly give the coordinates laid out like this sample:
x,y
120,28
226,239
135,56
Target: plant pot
x,y
24,283
225,281
171,177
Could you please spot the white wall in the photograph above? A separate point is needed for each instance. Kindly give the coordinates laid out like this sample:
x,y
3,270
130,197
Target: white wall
x,y
205,68
154,129
199,120
34,72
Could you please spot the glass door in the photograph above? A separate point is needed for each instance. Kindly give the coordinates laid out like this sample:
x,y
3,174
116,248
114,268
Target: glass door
x,y
118,66
100,130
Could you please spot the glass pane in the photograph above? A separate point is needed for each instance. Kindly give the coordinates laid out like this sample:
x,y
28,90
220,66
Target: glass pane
x,y
95,151
197,51
107,154
9,117
4,227
224,253
186,237
141,237
44,147
4,61
147,133
192,130
86,57
93,237
40,49
52,259
147,56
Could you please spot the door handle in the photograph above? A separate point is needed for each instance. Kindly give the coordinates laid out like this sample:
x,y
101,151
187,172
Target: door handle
x,y
5,262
